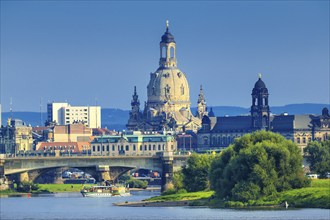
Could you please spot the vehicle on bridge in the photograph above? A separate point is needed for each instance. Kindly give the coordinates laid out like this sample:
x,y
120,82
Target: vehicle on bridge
x,y
105,191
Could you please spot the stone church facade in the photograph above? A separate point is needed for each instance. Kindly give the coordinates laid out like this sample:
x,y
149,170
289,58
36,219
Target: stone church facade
x,y
220,132
168,104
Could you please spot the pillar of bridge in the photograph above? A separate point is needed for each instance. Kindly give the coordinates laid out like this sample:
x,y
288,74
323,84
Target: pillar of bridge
x,y
103,172
167,176
2,167
24,177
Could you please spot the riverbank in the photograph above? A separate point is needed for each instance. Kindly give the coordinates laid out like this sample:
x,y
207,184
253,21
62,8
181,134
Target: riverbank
x,y
59,188
316,196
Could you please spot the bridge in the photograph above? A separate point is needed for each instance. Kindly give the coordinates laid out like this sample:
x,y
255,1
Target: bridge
x,y
100,167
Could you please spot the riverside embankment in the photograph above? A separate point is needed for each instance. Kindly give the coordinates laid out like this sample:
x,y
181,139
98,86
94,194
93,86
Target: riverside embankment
x,y
315,196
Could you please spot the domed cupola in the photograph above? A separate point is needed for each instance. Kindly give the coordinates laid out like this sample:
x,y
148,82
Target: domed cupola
x,y
167,50
167,37
259,86
260,109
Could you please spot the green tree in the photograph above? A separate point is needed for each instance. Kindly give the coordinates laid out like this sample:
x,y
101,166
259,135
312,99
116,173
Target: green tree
x,y
318,156
196,172
27,187
178,180
258,164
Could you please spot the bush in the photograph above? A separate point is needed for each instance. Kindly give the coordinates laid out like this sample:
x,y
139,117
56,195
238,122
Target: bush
x,y
169,192
134,183
196,172
27,187
180,191
257,165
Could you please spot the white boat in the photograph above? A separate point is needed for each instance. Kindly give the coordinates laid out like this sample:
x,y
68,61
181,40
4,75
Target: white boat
x,y
105,191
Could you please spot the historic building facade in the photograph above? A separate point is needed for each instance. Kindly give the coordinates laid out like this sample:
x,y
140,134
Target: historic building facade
x,y
220,132
168,104
16,137
134,144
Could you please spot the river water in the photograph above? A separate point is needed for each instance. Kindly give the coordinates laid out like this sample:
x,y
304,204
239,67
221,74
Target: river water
x,y
70,206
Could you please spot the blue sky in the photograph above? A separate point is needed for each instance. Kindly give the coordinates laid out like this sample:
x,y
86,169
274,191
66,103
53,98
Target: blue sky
x,y
81,51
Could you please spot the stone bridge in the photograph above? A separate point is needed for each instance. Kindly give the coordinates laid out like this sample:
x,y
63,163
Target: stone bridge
x,y
100,167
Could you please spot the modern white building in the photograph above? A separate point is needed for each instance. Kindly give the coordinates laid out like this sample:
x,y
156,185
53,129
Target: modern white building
x,y
63,113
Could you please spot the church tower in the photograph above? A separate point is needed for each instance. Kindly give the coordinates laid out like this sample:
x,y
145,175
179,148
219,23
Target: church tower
x,y
168,104
201,105
260,109
135,115
167,50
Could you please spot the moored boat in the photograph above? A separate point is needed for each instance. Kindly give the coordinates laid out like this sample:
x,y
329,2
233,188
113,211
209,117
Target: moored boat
x,y
105,191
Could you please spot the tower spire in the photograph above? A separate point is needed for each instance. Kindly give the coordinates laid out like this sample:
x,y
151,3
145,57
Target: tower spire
x,y
167,25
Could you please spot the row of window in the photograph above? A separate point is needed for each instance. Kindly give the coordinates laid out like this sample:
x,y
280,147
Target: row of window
x,y
76,110
59,147
304,139
219,140
127,147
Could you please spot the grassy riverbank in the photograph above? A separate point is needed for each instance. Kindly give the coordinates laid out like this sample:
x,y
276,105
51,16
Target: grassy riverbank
x,y
316,196
48,188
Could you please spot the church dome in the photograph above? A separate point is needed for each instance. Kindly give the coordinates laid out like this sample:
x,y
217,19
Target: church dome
x,y
260,86
167,38
168,84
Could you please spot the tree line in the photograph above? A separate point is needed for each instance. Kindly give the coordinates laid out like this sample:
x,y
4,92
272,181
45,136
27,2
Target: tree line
x,y
255,166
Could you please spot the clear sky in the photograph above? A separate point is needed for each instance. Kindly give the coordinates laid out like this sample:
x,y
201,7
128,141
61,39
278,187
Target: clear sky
x,y
81,51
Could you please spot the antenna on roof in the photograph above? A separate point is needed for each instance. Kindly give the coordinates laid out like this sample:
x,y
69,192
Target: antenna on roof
x,y
40,111
11,107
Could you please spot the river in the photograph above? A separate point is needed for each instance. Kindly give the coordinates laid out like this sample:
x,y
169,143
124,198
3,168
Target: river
x,y
70,206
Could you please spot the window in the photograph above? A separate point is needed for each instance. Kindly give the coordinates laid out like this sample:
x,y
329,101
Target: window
x,y
206,140
134,147
172,52
141,147
304,140
103,148
108,148
113,147
159,146
154,147
145,147
127,147
98,147
149,146
163,52
298,140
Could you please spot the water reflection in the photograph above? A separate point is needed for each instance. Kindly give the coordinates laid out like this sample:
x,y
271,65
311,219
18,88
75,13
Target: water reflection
x,y
73,206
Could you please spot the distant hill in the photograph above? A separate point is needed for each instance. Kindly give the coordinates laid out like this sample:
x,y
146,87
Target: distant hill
x,y
115,119
292,109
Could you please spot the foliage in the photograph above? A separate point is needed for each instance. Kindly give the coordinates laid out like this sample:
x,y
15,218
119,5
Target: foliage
x,y
135,183
318,197
62,187
182,196
27,187
178,180
256,165
169,192
196,172
124,178
318,155
321,183
132,182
